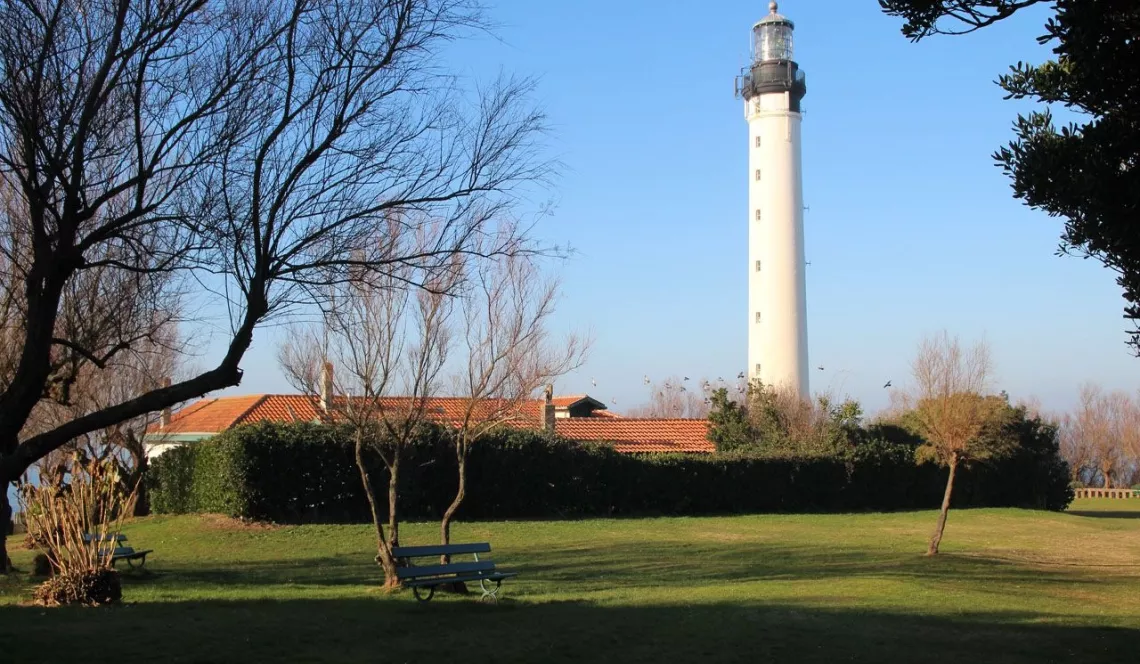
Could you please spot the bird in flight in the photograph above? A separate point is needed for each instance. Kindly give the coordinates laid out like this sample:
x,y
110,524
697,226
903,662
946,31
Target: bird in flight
x,y
594,382
821,367
740,375
887,385
646,379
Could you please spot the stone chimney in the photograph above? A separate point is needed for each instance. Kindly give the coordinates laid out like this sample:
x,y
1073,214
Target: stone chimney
x,y
326,386
164,416
548,409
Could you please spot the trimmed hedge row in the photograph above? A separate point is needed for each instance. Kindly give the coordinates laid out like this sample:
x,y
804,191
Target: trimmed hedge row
x,y
295,473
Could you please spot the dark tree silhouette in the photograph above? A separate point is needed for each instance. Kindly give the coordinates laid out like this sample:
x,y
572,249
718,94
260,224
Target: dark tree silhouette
x,y
1087,173
247,148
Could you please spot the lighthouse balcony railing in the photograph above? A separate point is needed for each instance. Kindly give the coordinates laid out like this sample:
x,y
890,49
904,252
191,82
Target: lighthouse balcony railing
x,y
771,77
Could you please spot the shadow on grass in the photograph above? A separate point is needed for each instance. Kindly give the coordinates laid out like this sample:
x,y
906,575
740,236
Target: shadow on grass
x,y
1108,514
610,565
398,629
627,566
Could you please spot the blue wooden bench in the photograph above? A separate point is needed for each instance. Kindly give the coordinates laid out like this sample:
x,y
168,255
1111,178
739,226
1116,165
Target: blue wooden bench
x,y
423,579
121,551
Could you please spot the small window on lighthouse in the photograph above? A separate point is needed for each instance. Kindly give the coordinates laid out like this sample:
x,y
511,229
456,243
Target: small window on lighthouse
x,y
757,173
758,214
757,141
757,316
757,269
757,369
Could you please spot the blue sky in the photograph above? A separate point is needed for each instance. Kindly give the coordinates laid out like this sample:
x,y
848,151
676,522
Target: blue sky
x,y
911,228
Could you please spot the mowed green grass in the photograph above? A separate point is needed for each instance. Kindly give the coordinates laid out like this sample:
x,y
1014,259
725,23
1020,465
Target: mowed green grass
x,y
1010,586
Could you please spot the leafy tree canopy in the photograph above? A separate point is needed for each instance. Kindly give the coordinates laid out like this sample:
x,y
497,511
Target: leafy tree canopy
x,y
1086,172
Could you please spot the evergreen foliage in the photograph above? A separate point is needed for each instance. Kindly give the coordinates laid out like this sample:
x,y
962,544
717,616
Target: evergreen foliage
x,y
297,473
1086,172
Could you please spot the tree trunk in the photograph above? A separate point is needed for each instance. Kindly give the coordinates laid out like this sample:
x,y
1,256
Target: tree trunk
x,y
383,551
1107,480
142,498
6,520
460,493
393,518
936,539
445,525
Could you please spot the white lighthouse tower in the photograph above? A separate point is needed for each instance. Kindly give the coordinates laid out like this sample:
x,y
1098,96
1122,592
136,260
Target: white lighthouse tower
x,y
772,87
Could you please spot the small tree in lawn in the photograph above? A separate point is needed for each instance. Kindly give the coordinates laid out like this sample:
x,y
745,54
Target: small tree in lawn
x,y
383,340
509,356
950,408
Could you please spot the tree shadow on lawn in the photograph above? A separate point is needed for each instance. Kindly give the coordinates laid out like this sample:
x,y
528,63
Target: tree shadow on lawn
x,y
399,629
628,566
1108,514
325,571
632,565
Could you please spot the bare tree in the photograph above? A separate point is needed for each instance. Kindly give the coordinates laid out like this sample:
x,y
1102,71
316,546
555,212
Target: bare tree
x,y
384,341
248,148
1100,436
1075,448
951,406
147,365
509,356
676,397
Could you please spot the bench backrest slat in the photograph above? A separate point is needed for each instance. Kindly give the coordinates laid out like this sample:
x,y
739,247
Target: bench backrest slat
x,y
88,537
441,550
436,570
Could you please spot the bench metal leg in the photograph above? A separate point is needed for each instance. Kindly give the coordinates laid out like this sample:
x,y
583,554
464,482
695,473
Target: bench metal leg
x,y
132,565
490,593
426,597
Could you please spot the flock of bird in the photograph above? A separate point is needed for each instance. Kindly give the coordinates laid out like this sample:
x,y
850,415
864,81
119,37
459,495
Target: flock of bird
x,y
705,385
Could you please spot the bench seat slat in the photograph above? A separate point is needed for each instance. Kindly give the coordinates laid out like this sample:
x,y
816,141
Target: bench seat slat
x,y
441,550
436,570
493,576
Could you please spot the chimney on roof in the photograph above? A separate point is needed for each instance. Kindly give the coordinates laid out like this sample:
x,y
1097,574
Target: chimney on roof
x,y
326,386
548,409
164,416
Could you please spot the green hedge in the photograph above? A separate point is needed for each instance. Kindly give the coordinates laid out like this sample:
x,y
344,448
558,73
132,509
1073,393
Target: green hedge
x,y
293,473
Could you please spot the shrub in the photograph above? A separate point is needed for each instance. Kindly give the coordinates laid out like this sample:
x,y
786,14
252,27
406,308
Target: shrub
x,y
61,516
297,473
171,482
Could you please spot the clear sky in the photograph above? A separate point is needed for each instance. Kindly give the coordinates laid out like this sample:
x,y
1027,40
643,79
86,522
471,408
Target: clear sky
x,y
911,228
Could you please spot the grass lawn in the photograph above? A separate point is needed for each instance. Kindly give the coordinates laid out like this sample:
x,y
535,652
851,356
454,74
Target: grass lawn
x,y
1011,586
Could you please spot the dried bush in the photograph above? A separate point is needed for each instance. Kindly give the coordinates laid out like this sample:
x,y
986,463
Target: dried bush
x,y
87,500
89,588
31,542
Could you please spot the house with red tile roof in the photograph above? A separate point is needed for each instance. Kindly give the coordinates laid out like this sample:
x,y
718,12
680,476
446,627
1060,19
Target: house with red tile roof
x,y
578,417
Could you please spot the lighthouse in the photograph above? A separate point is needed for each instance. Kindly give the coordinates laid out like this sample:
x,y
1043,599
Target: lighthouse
x,y
772,87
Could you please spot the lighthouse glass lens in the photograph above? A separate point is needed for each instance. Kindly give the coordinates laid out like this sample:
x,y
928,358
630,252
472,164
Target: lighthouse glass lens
x,y
773,42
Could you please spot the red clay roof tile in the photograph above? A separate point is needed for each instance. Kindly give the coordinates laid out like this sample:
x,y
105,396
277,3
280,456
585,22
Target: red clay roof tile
x,y
626,434
629,434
